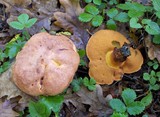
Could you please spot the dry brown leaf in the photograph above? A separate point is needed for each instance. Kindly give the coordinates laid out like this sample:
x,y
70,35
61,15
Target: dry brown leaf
x,y
73,99
8,88
153,50
69,21
40,9
96,100
6,109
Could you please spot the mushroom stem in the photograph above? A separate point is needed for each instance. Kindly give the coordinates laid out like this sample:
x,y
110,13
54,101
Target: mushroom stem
x,y
121,54
116,58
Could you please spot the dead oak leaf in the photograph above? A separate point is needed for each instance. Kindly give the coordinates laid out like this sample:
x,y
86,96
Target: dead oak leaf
x,y
6,109
69,21
9,89
96,100
153,50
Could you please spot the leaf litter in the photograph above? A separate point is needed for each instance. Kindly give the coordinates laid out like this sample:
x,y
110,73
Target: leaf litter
x,y
53,16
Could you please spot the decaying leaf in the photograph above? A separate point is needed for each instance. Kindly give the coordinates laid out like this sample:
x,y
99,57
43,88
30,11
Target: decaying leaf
x,y
153,50
6,109
69,21
94,99
8,88
40,9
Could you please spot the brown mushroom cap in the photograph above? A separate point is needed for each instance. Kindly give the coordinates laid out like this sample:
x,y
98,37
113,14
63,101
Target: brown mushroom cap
x,y
97,48
46,65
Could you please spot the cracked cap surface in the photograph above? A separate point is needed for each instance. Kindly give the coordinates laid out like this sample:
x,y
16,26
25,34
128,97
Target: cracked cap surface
x,y
46,65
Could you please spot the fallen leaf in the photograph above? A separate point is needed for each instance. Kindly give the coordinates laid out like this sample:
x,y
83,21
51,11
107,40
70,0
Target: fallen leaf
x,y
96,100
69,21
6,109
40,9
153,50
9,89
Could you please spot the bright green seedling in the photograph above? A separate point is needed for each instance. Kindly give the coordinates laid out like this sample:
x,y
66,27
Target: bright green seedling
x,y
152,77
129,105
92,15
45,106
82,54
89,83
23,22
154,63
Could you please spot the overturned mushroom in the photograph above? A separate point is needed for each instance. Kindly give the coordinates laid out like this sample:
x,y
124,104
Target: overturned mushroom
x,y
109,63
46,65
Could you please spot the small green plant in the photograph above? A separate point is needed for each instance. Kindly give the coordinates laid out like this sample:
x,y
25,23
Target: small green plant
x,y
90,83
129,105
82,54
136,15
10,51
152,78
45,105
23,22
15,45
91,14
154,63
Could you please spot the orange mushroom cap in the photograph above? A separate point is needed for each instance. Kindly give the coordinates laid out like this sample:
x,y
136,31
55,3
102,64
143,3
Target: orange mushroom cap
x,y
46,65
101,66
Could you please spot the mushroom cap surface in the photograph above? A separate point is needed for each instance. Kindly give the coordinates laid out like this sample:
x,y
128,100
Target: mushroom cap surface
x,y
46,65
98,45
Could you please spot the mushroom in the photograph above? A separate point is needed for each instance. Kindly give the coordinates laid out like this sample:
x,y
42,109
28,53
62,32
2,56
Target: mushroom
x,y
107,62
46,65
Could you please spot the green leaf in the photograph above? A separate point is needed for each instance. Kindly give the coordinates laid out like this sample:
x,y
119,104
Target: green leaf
x,y
117,105
90,84
38,109
155,87
135,108
23,18
5,66
150,63
134,23
92,81
12,52
133,13
112,12
30,22
91,9
81,53
97,2
76,84
146,21
16,25
86,81
132,6
147,99
111,24
91,87
85,17
146,76
152,28
155,66
156,39
53,102
152,81
128,96
115,114
158,14
122,17
156,4
97,20
88,1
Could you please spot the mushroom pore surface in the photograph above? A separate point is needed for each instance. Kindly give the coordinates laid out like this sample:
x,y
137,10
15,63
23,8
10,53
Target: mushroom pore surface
x,y
46,65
